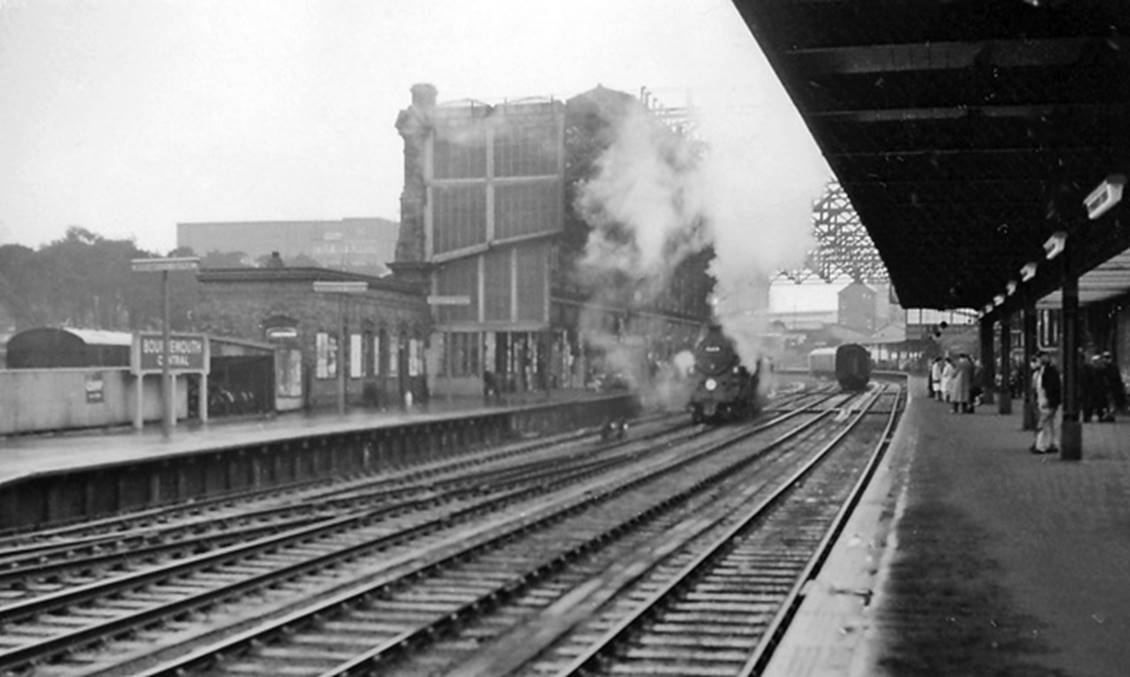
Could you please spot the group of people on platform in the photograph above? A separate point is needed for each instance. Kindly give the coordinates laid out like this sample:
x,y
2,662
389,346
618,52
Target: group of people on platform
x,y
1102,391
956,380
1101,394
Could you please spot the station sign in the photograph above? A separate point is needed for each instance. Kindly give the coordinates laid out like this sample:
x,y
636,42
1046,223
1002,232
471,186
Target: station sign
x,y
340,287
1105,196
187,353
158,265
449,300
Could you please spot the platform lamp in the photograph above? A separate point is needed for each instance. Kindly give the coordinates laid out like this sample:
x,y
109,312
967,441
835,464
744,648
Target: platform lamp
x,y
342,289
164,266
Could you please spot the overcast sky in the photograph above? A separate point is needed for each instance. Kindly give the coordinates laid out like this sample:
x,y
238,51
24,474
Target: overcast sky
x,y
127,116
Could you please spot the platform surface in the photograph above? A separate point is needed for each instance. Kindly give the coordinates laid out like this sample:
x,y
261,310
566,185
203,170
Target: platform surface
x,y
21,456
971,556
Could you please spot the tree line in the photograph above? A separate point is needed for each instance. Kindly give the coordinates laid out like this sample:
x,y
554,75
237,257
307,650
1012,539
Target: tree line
x,y
85,280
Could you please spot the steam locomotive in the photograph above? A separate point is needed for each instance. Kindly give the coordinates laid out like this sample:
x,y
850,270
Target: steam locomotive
x,y
724,388
849,364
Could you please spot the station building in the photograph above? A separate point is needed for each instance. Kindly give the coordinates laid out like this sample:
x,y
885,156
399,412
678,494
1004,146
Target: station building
x,y
489,229
377,336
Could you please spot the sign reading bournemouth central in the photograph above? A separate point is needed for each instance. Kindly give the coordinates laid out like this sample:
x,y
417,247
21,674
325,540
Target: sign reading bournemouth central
x,y
187,353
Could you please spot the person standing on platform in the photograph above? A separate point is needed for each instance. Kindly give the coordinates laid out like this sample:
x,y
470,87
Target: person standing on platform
x,y
1093,390
490,387
936,378
1113,388
948,372
962,385
1045,381
976,385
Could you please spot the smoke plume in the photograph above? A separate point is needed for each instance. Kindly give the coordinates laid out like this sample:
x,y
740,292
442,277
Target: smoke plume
x,y
658,197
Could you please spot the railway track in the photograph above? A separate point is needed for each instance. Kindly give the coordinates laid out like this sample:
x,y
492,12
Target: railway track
x,y
199,513
51,561
54,623
449,583
53,558
720,608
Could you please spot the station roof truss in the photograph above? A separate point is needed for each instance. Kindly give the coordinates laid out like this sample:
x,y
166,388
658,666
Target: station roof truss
x,y
965,132
843,247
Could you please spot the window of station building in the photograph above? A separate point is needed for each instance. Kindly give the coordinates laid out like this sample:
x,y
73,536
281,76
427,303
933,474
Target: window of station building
x,y
373,358
532,270
356,364
459,153
325,355
496,285
463,354
459,217
526,208
367,353
458,278
1048,322
415,357
527,145
380,359
393,355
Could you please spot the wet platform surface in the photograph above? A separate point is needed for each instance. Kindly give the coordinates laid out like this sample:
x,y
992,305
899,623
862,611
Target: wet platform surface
x,y
971,556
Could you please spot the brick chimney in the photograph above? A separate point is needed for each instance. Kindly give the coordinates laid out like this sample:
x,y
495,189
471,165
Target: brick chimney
x,y
424,96
413,124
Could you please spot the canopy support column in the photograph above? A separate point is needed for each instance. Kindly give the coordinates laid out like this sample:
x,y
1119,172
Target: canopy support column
x,y
988,362
1005,406
1029,420
1071,442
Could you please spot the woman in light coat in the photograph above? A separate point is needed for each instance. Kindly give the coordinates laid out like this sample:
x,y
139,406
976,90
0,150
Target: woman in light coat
x,y
936,378
948,372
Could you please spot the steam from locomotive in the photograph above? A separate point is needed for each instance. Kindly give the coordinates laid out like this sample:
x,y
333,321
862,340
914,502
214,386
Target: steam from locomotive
x,y
658,198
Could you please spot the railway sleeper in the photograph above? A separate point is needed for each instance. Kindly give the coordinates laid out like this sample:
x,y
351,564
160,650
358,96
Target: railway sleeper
x,y
684,655
680,629
727,641
655,669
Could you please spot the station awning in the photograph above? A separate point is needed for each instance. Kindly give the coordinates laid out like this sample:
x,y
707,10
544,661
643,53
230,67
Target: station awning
x,y
964,132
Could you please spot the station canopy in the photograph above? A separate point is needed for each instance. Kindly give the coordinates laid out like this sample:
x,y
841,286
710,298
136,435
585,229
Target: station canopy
x,y
965,132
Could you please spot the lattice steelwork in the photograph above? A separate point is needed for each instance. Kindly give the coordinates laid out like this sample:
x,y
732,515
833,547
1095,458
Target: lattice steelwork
x,y
843,246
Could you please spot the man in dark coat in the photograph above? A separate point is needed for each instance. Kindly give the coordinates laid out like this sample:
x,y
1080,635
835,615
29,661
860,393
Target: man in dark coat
x,y
1113,388
1093,390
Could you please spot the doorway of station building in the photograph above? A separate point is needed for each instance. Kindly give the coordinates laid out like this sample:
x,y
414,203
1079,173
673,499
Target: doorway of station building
x,y
519,360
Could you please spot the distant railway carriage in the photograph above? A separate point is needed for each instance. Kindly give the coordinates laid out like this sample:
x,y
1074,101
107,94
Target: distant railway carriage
x,y
67,347
849,364
724,388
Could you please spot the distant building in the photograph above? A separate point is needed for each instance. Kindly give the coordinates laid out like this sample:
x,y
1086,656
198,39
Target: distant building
x,y
361,245
857,307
